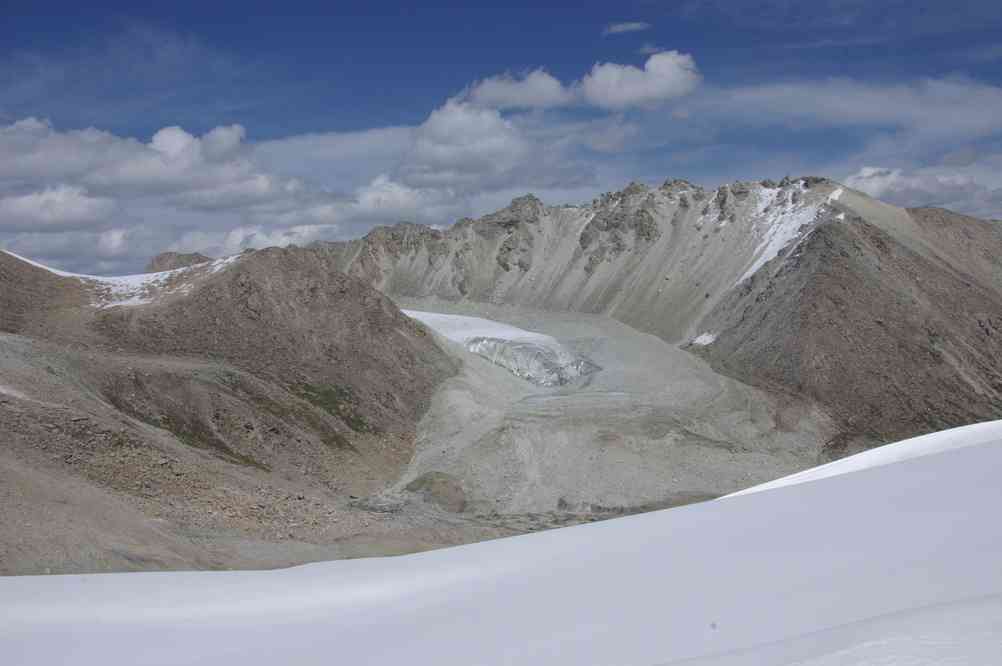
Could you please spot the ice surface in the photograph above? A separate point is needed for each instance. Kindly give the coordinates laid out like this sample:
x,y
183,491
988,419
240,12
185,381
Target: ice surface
x,y
538,363
890,564
535,357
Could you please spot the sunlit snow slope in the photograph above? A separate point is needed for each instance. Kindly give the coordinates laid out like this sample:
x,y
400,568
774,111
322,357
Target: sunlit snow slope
x,y
897,563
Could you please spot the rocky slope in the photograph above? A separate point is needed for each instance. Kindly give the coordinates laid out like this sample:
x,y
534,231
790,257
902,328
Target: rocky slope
x,y
893,340
248,398
884,316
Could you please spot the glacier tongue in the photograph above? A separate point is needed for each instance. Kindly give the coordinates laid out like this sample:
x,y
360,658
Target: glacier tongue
x,y
535,357
534,362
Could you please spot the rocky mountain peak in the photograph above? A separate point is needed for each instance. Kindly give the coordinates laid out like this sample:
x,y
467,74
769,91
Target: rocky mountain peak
x,y
678,185
527,208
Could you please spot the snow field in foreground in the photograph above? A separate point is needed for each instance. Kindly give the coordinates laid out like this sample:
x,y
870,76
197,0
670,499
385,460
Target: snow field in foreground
x,y
887,561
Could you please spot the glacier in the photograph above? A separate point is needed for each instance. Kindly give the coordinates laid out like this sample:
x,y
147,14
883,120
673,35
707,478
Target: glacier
x,y
535,357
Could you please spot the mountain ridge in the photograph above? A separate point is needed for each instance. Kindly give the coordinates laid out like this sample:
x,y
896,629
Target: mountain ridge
x,y
693,265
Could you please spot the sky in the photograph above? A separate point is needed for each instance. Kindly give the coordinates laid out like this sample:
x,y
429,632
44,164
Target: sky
x,y
214,127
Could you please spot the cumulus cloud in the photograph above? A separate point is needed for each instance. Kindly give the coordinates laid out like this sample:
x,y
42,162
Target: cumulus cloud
x,y
385,196
76,184
664,76
537,89
959,192
237,239
463,146
90,200
346,160
54,208
208,172
627,26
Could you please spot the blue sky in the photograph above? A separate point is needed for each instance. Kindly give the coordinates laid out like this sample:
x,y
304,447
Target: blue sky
x,y
219,126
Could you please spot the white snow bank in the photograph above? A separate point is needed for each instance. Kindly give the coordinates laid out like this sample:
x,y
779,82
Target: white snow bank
x,y
892,564
133,289
916,447
704,339
536,357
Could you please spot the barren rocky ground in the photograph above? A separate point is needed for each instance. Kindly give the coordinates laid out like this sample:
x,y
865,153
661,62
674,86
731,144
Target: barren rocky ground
x,y
255,405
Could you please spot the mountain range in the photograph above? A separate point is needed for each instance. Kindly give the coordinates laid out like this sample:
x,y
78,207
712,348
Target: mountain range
x,y
278,406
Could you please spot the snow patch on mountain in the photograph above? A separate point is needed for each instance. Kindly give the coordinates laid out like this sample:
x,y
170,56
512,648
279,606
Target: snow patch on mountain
x,y
780,217
139,289
704,339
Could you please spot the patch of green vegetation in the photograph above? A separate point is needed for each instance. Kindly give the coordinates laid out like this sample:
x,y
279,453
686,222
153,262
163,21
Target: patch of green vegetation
x,y
198,436
337,401
292,412
219,447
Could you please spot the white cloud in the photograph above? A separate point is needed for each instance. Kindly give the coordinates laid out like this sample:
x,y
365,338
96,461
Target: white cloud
x,y
59,208
537,89
73,185
650,49
383,196
211,172
216,194
221,143
665,76
113,242
463,146
238,239
344,160
937,107
627,26
929,187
